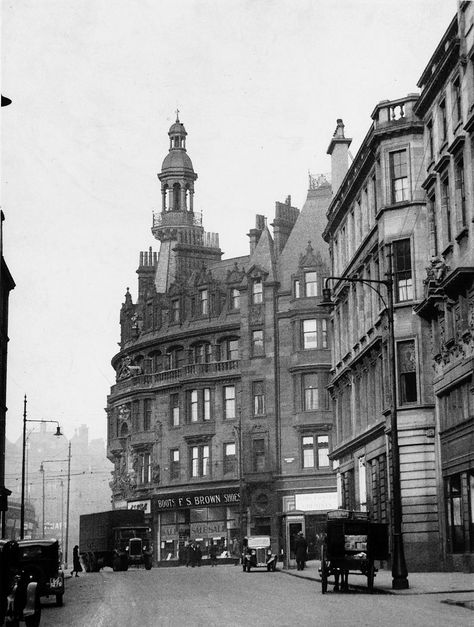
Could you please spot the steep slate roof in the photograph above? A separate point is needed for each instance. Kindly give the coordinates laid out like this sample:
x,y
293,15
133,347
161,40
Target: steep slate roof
x,y
309,227
264,254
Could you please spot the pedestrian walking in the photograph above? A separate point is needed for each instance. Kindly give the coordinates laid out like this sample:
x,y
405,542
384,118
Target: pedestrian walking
x,y
76,562
213,554
301,549
198,554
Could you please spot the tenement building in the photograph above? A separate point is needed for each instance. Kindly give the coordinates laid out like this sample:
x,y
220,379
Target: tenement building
x,y
220,424
404,212
446,106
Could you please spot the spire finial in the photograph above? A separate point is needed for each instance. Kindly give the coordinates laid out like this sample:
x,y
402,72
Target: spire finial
x,y
177,115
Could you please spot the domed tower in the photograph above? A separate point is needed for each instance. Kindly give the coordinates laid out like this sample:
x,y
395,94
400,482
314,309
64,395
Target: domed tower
x,y
185,246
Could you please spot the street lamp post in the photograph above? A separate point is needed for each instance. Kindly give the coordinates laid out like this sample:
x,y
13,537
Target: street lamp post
x,y
399,568
23,465
42,471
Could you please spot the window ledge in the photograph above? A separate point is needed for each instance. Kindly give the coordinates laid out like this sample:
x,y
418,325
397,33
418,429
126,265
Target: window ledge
x,y
464,232
447,250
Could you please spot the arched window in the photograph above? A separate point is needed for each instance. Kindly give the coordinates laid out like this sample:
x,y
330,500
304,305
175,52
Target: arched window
x,y
176,196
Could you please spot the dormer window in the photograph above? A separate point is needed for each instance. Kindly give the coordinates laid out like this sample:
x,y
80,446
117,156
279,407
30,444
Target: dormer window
x,y
203,302
175,310
257,291
234,298
297,289
311,283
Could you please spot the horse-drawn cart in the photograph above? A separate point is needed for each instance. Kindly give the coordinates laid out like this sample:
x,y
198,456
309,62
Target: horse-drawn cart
x,y
352,545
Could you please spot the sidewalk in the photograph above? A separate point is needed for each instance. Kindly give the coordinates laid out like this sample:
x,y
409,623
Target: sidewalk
x,y
420,583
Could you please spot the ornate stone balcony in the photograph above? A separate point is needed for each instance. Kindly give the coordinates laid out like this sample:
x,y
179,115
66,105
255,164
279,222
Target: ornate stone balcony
x,y
212,370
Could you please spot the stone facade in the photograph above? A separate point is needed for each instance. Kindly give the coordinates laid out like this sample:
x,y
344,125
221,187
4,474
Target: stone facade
x,y
446,106
404,211
219,423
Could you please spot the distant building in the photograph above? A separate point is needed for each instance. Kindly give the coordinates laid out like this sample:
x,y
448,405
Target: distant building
x,y
446,106
46,489
220,424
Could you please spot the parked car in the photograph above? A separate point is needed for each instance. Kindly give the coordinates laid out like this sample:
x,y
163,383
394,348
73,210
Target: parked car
x,y
258,553
41,560
19,594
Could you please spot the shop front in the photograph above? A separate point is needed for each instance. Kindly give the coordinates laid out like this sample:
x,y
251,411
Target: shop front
x,y
207,518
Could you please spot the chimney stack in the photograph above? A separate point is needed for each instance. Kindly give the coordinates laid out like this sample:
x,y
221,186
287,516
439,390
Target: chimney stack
x,y
339,151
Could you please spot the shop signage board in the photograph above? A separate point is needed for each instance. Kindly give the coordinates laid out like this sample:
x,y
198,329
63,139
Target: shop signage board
x,y
210,498
145,506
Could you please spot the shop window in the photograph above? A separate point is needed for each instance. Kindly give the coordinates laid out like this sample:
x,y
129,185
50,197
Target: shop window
x,y
174,463
362,485
257,292
257,343
203,302
258,455
174,409
147,414
399,176
230,460
310,335
258,393
199,456
402,270
234,298
311,283
407,379
229,402
315,451
455,510
310,392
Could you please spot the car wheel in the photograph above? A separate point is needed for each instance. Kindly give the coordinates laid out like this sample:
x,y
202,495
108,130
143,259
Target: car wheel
x,y
59,600
116,564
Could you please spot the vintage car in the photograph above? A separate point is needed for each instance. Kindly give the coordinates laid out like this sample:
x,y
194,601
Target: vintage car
x,y
19,594
41,560
258,553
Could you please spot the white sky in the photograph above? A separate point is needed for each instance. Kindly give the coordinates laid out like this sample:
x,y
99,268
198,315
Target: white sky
x,y
95,84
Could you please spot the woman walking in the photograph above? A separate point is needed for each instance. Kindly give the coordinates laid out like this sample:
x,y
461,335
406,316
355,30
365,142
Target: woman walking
x,y
76,562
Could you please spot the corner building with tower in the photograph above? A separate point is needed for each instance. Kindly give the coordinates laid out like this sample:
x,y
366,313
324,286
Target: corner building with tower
x,y
220,423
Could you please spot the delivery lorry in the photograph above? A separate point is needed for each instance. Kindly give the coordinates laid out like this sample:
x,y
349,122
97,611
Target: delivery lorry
x,y
118,538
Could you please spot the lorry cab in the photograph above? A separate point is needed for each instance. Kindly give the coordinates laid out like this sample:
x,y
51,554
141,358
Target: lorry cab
x,y
132,547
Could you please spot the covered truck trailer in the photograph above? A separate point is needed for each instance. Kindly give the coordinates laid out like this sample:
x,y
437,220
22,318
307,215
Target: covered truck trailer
x,y
118,538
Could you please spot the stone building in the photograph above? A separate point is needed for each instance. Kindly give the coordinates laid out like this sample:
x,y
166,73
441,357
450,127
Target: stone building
x,y
404,210
377,220
446,106
219,423
6,285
